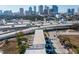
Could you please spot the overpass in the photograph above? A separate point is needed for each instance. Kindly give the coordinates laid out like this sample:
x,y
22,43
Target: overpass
x,y
32,29
17,26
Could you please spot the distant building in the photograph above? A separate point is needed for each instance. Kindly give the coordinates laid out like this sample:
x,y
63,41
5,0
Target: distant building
x,y
54,10
0,12
78,11
71,11
26,12
21,10
16,14
7,12
34,10
2,22
30,11
41,9
46,10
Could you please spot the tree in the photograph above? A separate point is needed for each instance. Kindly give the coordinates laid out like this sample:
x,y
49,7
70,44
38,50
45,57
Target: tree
x,y
22,42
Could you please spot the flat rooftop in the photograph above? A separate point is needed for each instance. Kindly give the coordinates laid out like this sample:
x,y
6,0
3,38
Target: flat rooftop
x,y
39,37
38,44
38,51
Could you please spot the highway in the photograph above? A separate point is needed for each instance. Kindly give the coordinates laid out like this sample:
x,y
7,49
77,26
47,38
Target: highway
x,y
13,34
15,26
32,29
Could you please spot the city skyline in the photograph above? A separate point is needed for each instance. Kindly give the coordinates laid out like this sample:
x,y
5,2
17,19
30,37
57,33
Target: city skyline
x,y
15,8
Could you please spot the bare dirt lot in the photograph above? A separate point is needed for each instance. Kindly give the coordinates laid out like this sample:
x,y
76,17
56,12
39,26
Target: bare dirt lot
x,y
74,40
11,46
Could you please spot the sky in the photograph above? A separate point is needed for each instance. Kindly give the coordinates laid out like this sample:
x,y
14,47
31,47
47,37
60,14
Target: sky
x,y
15,8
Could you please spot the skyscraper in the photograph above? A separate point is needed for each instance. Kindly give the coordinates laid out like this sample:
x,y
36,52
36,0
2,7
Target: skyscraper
x,y
55,9
0,12
26,12
30,10
34,10
46,10
41,9
21,10
71,11
78,11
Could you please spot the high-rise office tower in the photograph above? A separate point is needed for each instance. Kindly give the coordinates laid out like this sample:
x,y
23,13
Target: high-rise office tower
x,y
26,12
30,11
34,10
78,11
0,12
68,10
41,9
46,10
71,11
21,10
55,9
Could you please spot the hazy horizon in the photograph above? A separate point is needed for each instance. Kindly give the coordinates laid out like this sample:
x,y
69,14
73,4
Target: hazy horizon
x,y
15,8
